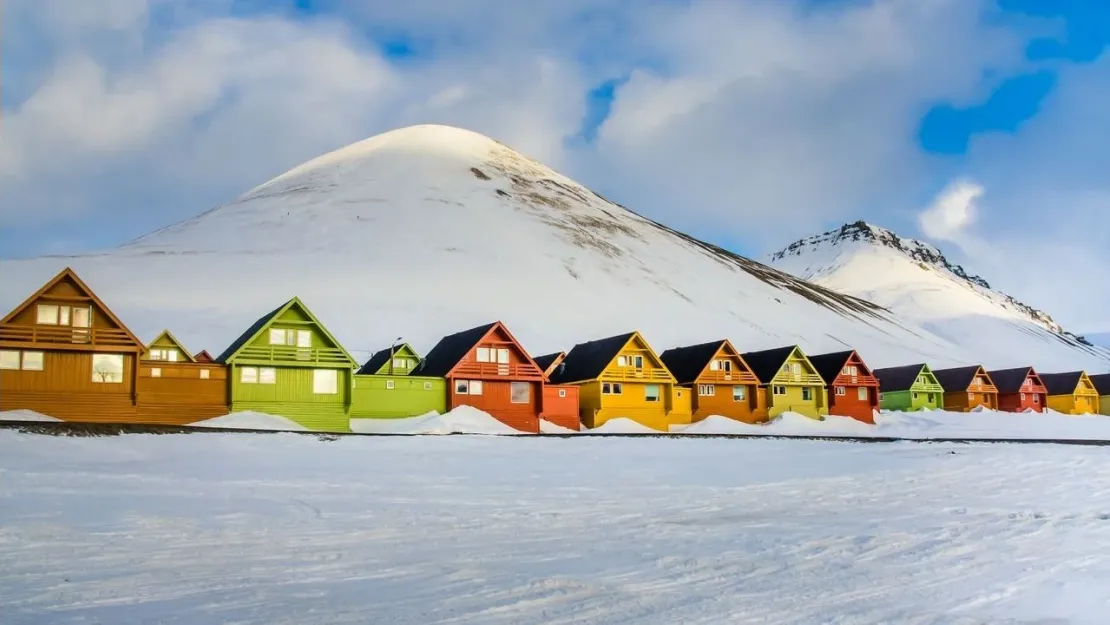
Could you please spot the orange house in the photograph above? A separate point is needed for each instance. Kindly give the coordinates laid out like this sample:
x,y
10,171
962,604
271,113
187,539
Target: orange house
x,y
65,354
560,401
175,388
967,388
720,381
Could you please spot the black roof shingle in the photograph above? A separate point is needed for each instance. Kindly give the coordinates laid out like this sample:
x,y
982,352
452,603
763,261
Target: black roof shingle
x,y
956,379
766,364
246,335
830,365
586,361
894,379
1010,380
1102,383
450,350
687,363
1061,383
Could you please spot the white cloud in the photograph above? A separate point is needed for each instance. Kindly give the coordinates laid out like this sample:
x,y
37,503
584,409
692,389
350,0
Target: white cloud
x,y
952,213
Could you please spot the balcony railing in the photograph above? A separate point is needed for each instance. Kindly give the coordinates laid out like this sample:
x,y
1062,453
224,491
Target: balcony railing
x,y
286,353
497,370
629,374
727,377
799,378
65,335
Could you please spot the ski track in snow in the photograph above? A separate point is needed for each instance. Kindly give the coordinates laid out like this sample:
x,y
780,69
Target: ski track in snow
x,y
281,528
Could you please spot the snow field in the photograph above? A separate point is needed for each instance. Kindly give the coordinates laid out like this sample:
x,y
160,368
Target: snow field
x,y
284,529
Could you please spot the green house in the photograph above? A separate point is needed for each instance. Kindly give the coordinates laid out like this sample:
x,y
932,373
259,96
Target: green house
x,y
384,389
909,388
288,364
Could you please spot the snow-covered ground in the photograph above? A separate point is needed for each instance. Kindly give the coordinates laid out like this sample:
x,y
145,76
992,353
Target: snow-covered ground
x,y
286,529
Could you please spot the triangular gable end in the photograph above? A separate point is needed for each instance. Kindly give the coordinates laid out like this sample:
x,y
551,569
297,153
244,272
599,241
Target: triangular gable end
x,y
642,344
729,351
495,328
799,354
379,361
166,338
78,285
857,360
264,323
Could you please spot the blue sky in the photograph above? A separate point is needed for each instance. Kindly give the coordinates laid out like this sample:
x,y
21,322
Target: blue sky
x,y
749,123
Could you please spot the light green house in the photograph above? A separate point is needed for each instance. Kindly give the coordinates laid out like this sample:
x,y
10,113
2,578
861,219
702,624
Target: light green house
x,y
288,364
909,388
383,388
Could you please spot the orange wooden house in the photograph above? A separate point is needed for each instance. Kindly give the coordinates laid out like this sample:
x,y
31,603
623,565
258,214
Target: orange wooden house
x,y
174,388
63,353
853,389
487,368
967,388
719,379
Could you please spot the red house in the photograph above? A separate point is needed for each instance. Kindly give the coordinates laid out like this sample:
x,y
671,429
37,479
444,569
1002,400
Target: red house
x,y
487,368
853,390
1019,390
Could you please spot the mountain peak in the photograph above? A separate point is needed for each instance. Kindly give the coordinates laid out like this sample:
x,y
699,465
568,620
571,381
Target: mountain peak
x,y
862,231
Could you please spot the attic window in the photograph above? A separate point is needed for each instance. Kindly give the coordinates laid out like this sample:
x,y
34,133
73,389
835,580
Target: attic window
x,y
401,363
47,314
169,355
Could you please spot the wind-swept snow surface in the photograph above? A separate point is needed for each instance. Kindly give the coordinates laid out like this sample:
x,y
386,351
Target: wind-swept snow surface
x,y
427,230
276,529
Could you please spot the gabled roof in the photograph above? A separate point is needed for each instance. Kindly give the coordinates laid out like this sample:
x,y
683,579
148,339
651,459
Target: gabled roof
x,y
1102,383
81,286
1010,380
687,363
893,379
204,356
450,350
956,379
829,366
587,361
546,361
766,364
381,357
1061,383
168,336
259,325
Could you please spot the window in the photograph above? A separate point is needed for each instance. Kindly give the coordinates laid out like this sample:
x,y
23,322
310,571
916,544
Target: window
x,y
921,379
807,393
796,368
267,375
707,390
1027,382
483,354
82,317
562,392
611,388
248,375
32,361
304,338
651,392
155,372
503,356
714,365
915,396
427,386
932,398
107,368
779,390
63,315
475,387
390,385
400,363
862,393
638,362
9,359
622,361
978,381
971,396
325,381
840,390
277,336
48,314
204,374
1036,398
739,393
726,366
462,387
164,354
520,392
1023,397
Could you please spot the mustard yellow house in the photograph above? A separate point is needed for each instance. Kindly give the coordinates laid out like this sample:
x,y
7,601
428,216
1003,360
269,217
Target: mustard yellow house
x,y
790,381
1071,393
622,376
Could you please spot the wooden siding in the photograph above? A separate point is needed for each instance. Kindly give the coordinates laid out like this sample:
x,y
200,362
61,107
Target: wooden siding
x,y
1023,401
793,400
911,401
562,411
179,395
632,403
64,389
850,404
292,396
752,409
496,400
411,396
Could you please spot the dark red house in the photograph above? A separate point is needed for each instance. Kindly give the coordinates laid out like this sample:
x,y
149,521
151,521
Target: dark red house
x,y
487,368
853,390
1019,390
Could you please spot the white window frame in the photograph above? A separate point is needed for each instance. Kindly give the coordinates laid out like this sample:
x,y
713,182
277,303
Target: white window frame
x,y
277,336
915,395
10,359
862,394
63,315
622,361
562,392
1036,398
87,323
204,374
527,386
304,339
248,375
155,372
606,388
714,365
638,362
482,354
1023,397
503,357
400,363
658,394
726,365
98,379
39,366
707,390
841,391
325,382
462,387
971,396
743,392
267,375
475,387
48,319
390,385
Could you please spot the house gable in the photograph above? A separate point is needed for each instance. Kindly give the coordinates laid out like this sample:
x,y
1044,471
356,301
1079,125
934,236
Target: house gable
x,y
705,363
636,361
1071,383
380,361
1017,380
837,369
467,353
290,334
167,341
796,369
973,379
67,313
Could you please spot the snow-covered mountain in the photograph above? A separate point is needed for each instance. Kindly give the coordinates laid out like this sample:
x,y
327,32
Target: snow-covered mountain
x,y
427,230
916,282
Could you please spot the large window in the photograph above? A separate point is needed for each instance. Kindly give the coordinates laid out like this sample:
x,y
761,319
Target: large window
x,y
9,359
57,315
651,392
499,355
47,314
520,392
248,375
862,393
267,375
290,337
325,381
107,368
739,393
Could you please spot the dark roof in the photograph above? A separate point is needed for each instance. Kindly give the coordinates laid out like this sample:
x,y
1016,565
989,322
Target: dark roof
x,y
767,363
545,361
956,379
450,350
1010,380
687,363
894,379
1102,383
830,365
586,361
1061,383
250,332
377,360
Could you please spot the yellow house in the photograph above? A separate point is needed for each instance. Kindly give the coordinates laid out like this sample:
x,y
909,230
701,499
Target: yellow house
x,y
790,382
1071,393
622,376
1102,385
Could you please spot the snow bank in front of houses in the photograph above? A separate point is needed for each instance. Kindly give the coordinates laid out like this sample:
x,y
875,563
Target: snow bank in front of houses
x,y
27,415
622,425
248,420
461,420
547,427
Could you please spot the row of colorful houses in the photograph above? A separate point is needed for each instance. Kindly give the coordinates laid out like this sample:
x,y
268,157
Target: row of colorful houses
x,y
64,353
